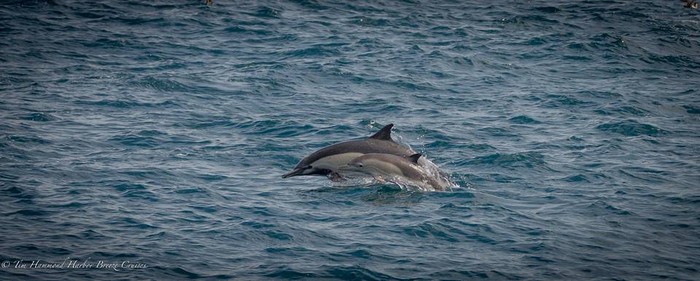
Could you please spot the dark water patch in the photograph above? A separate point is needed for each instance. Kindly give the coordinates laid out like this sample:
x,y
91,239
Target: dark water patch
x,y
360,254
311,5
577,58
480,147
181,272
207,209
254,125
450,207
23,193
547,9
622,111
132,140
149,133
536,41
106,43
370,22
25,139
248,30
38,116
135,190
122,187
692,200
602,95
133,20
69,205
354,272
225,122
692,109
523,119
563,100
11,189
13,275
285,272
438,144
527,21
577,179
211,177
29,213
143,138
257,225
646,174
261,211
267,12
602,208
450,231
130,222
147,173
315,51
577,46
289,251
632,128
116,254
190,190
94,235
166,85
606,41
278,235
675,60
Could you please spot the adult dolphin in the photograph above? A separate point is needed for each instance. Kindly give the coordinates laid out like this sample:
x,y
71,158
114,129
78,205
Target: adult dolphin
x,y
327,160
393,168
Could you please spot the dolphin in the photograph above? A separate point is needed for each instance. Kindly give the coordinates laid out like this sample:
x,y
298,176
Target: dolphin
x,y
387,167
327,160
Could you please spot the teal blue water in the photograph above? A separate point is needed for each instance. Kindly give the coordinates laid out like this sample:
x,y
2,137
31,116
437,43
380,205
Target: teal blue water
x,y
154,134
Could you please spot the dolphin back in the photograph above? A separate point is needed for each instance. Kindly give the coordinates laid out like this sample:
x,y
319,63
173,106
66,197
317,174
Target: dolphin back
x,y
379,142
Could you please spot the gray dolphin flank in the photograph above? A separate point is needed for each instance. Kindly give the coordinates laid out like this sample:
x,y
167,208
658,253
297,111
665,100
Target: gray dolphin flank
x,y
328,160
393,168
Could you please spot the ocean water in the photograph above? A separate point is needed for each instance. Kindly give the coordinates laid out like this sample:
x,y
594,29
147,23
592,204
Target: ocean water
x,y
146,139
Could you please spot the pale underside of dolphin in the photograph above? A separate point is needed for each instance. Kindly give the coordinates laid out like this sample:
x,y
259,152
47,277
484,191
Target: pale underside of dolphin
x,y
396,169
328,160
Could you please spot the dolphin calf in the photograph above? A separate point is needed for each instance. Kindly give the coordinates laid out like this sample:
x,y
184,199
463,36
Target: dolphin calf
x,y
393,168
328,160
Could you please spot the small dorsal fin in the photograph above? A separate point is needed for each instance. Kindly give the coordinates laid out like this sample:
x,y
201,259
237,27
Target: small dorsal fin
x,y
414,158
384,133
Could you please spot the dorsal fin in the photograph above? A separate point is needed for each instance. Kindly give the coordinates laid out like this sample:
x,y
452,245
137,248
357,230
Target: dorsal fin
x,y
384,133
414,158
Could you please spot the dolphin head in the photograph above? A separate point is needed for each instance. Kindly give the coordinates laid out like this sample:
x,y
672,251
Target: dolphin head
x,y
323,163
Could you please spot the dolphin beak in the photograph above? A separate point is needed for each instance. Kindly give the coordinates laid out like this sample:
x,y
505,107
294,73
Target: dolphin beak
x,y
296,172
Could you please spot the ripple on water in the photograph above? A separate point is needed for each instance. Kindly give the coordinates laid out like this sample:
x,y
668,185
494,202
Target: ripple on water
x,y
139,139
631,128
39,117
521,159
523,119
692,109
135,191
